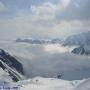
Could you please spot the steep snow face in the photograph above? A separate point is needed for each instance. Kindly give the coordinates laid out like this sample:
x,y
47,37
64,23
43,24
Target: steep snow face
x,y
11,61
10,67
79,39
4,76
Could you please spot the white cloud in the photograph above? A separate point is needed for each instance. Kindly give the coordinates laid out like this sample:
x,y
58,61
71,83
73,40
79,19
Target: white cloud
x,y
65,3
44,12
2,7
21,26
41,20
57,48
48,10
77,5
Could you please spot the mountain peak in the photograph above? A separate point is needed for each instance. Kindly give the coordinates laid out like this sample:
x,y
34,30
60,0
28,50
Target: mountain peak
x,y
78,39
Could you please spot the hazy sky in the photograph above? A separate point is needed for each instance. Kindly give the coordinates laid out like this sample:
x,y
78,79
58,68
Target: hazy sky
x,y
45,18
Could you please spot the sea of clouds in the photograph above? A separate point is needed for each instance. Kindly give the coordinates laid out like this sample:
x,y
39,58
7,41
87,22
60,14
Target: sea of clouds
x,y
49,60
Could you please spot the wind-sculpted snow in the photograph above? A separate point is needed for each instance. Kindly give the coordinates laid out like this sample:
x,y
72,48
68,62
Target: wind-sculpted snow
x,y
37,61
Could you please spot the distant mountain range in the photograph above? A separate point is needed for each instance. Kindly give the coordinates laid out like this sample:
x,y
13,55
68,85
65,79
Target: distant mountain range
x,y
81,41
73,40
39,41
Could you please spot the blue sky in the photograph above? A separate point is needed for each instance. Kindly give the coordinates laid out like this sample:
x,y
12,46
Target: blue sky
x,y
44,18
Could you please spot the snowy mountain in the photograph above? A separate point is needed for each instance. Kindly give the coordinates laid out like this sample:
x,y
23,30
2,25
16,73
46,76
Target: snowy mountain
x,y
10,68
81,50
39,41
80,42
81,39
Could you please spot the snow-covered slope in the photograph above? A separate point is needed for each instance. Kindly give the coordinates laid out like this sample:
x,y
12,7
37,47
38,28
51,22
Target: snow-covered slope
x,y
4,76
10,68
85,85
39,83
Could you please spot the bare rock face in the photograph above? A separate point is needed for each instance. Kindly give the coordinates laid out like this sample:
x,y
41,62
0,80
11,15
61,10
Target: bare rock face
x,y
80,50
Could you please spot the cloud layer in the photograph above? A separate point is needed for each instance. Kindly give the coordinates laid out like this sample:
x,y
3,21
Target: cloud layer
x,y
44,18
49,60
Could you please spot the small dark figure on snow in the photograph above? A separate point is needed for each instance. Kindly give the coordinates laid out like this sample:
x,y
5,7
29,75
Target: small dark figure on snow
x,y
59,76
